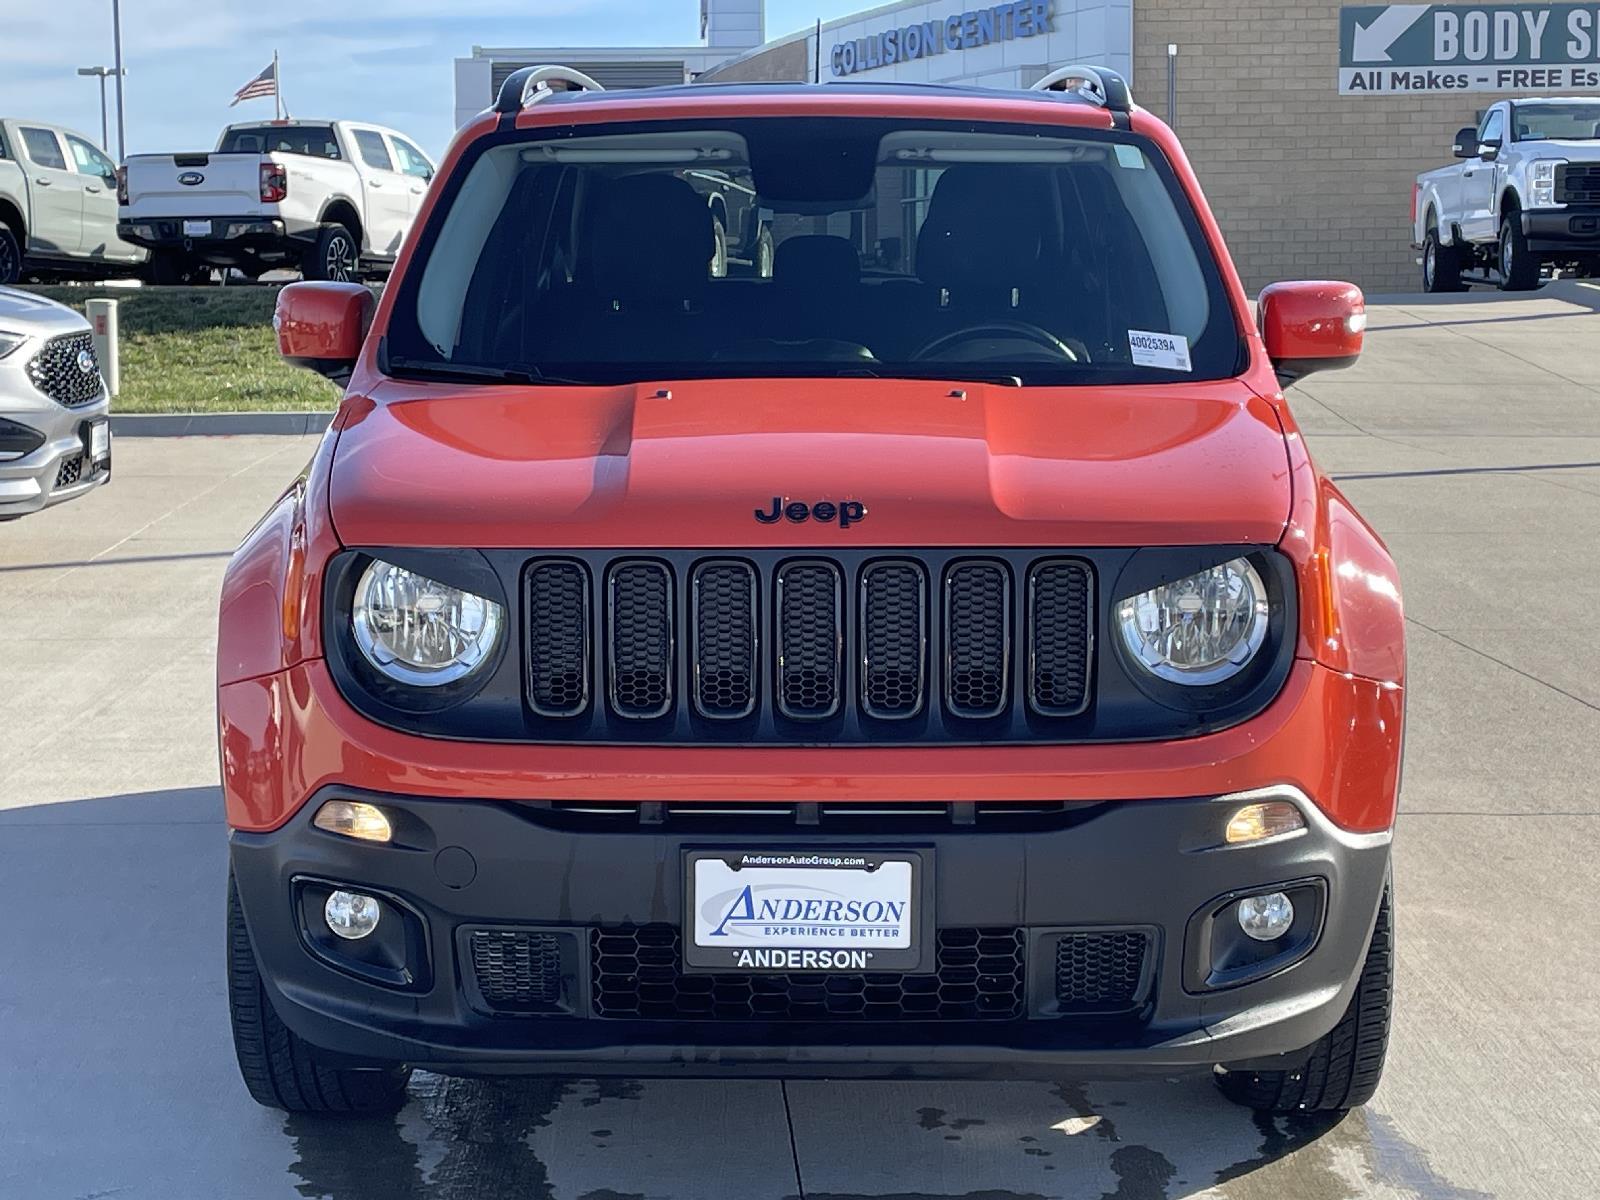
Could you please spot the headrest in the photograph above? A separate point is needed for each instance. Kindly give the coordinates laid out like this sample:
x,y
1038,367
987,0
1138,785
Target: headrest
x,y
650,238
984,230
816,262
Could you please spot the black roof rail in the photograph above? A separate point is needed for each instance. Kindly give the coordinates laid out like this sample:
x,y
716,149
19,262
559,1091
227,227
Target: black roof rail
x,y
1098,85
531,84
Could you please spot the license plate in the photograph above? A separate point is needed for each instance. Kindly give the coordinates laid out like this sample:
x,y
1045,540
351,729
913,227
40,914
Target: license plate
x,y
831,910
197,229
99,441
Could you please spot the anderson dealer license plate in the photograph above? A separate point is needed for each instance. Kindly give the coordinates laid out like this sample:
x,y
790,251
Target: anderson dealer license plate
x,y
810,910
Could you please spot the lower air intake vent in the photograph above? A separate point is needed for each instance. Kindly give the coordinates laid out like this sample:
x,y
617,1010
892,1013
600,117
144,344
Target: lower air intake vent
x,y
517,972
637,975
1101,972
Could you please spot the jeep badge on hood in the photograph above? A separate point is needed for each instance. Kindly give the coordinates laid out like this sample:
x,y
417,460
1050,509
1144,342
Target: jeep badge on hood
x,y
846,512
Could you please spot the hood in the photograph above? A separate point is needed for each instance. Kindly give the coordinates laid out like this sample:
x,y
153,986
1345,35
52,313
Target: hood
x,y
23,312
690,464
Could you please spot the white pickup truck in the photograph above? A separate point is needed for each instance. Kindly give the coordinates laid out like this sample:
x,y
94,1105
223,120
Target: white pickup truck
x,y
1525,197
334,198
58,206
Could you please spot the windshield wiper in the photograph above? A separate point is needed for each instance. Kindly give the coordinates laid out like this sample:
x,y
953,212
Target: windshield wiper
x,y
468,372
1000,377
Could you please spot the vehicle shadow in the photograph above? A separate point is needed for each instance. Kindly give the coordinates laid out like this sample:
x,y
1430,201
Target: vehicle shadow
x,y
113,1007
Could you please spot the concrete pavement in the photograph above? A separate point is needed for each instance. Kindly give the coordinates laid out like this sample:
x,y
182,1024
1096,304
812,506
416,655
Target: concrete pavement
x,y
1469,434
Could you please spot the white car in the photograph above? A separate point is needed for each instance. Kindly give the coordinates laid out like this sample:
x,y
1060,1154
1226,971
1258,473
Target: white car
x,y
58,205
333,198
55,433
1524,197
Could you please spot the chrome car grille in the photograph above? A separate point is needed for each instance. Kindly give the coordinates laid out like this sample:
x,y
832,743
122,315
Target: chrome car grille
x,y
59,371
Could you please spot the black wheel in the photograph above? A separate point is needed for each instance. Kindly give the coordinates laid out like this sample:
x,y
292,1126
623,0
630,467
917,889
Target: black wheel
x,y
719,248
1441,264
336,256
1344,1067
10,255
280,1070
1519,269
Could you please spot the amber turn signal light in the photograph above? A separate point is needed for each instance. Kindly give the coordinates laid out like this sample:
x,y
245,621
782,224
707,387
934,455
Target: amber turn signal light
x,y
353,819
1269,819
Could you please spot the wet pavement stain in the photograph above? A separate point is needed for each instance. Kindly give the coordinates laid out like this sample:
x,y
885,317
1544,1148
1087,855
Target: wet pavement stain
x,y
934,1118
1142,1174
477,1139
1397,1161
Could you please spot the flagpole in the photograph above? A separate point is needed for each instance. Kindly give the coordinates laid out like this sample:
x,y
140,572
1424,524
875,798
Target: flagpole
x,y
277,88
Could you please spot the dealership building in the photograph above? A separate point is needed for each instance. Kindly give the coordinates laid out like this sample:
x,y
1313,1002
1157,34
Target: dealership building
x,y
1306,120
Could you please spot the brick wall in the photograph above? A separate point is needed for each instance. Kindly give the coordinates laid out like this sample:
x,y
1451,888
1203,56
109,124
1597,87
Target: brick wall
x,y
1305,182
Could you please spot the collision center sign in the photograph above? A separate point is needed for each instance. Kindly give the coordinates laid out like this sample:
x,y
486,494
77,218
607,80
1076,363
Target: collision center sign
x,y
1413,49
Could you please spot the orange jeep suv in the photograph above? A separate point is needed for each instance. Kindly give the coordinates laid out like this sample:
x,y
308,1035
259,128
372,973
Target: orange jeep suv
x,y
925,649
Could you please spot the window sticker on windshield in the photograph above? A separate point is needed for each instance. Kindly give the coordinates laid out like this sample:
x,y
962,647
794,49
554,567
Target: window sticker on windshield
x,y
1129,156
1168,351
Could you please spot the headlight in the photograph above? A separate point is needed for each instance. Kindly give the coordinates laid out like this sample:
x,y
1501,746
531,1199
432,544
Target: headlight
x,y
1542,176
10,341
1199,630
420,631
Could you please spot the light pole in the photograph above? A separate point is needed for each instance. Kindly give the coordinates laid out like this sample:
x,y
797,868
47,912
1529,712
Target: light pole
x,y
1172,84
116,36
103,73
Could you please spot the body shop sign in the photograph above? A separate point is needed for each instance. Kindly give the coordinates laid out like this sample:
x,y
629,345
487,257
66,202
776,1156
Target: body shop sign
x,y
1428,48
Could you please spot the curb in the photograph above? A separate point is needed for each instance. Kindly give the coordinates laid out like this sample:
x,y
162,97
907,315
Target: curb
x,y
218,424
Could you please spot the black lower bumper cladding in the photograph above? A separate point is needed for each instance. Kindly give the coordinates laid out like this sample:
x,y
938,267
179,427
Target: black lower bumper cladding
x,y
1070,940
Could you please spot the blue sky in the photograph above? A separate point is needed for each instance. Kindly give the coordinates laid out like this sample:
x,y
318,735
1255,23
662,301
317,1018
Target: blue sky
x,y
376,60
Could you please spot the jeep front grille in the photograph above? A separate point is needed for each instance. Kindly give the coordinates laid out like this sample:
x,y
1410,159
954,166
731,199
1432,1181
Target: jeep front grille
x,y
770,648
58,370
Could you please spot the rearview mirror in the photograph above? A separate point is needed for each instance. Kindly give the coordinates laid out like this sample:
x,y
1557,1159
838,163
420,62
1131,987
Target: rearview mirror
x,y
321,326
1466,143
1489,150
1315,326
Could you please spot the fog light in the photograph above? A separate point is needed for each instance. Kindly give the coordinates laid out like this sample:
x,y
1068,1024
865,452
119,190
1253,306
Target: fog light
x,y
351,818
353,916
1264,918
1271,819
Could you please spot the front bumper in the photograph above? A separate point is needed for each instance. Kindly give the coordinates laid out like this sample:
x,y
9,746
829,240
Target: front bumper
x,y
1575,227
1150,865
59,469
222,241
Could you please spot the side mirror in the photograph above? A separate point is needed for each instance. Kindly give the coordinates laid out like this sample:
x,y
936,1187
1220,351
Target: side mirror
x,y
1311,326
1490,150
1466,143
321,326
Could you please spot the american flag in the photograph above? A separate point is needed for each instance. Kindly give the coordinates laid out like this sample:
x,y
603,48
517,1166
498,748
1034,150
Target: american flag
x,y
264,84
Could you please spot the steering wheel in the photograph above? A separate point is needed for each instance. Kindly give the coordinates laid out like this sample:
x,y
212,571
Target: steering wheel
x,y
1024,329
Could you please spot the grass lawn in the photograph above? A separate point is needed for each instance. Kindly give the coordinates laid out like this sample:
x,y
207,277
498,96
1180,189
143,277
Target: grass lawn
x,y
202,349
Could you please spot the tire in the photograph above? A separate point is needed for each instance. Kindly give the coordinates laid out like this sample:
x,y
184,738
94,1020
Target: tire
x,y
167,268
335,256
719,248
1519,269
10,255
279,1069
1441,265
1343,1068
766,254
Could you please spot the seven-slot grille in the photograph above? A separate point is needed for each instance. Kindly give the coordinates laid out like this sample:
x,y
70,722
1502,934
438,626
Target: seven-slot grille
x,y
855,648
58,370
1578,183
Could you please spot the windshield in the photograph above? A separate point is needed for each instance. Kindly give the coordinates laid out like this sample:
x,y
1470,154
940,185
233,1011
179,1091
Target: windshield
x,y
315,140
1574,122
816,247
